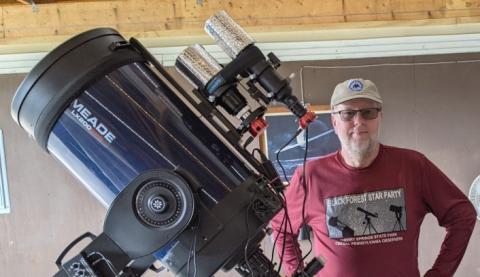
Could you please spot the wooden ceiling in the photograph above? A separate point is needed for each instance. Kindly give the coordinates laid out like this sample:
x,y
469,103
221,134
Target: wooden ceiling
x,y
175,22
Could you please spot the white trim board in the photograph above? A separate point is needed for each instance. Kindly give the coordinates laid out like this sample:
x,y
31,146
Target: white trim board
x,y
303,51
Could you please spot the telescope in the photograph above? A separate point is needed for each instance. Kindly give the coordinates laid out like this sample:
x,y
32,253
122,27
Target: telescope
x,y
368,224
171,165
367,213
396,209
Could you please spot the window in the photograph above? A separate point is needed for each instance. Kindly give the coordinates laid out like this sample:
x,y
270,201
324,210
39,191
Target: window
x,y
4,198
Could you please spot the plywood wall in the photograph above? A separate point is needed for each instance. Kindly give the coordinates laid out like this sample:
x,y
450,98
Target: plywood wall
x,y
145,18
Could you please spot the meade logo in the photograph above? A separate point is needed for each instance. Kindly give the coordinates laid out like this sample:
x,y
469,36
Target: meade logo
x,y
90,122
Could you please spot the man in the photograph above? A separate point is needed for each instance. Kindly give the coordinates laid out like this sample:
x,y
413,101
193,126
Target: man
x,y
366,202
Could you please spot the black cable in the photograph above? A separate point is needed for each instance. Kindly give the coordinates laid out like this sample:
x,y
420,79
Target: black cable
x,y
304,186
257,150
195,253
104,259
287,224
281,198
276,238
192,251
286,216
287,221
297,250
262,156
280,150
284,232
248,238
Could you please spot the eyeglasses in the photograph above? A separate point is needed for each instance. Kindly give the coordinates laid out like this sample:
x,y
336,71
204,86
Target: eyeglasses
x,y
367,114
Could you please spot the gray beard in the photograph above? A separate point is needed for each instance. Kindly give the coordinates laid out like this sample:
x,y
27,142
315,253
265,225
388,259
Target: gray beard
x,y
360,151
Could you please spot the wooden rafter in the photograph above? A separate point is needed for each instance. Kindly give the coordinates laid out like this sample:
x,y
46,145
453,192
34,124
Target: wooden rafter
x,y
175,21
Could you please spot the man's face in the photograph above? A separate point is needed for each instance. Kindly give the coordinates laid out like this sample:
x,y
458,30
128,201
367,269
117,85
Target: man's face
x,y
357,135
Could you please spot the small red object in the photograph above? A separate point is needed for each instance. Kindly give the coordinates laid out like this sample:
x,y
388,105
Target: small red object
x,y
306,119
257,126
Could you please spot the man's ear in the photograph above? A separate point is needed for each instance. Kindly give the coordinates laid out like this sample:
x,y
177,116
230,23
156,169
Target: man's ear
x,y
334,122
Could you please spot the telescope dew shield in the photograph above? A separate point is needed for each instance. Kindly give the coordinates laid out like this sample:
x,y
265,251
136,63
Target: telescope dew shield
x,y
228,34
58,78
197,65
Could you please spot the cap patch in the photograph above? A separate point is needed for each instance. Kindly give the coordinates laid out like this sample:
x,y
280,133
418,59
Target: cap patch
x,y
355,85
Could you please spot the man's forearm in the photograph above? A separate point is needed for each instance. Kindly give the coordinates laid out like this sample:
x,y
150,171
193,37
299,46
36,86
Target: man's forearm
x,y
289,252
459,228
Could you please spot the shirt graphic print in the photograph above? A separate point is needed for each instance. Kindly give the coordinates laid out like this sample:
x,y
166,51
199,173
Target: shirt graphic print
x,y
367,218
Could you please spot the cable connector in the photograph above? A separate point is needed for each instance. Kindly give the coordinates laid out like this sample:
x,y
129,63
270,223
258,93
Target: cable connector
x,y
306,119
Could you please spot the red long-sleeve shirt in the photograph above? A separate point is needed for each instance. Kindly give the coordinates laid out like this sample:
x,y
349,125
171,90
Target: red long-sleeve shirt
x,y
366,222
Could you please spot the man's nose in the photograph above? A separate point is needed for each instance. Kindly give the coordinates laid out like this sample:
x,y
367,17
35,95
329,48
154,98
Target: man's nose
x,y
358,119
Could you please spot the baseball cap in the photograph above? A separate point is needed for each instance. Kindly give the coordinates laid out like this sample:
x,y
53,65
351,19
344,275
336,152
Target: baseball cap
x,y
353,89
